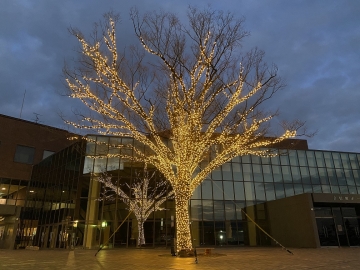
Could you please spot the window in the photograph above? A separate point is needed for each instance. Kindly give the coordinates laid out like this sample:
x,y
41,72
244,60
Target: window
x,y
47,153
24,154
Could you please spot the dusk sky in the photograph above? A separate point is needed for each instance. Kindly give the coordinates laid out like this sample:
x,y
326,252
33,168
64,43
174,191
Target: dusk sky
x,y
314,43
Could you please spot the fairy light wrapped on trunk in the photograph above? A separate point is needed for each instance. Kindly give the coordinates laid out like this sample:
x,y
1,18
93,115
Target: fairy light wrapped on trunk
x,y
144,199
201,98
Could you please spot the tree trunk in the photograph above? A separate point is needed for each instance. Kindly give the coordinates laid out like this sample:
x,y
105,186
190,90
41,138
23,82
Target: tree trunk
x,y
183,236
141,237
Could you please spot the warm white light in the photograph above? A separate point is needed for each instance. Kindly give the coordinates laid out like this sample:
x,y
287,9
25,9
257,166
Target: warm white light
x,y
194,136
144,199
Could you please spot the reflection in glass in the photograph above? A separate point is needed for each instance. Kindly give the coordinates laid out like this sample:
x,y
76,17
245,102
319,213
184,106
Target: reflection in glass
x,y
275,160
216,174
102,145
196,210
237,172
239,205
245,159
286,173
323,176
328,160
341,176
352,190
332,176
228,190
207,189
298,188
270,192
258,176
311,158
354,162
305,176
265,160
357,177
314,176
197,193
307,188
100,165
284,159
218,190
289,190
349,178
226,172
326,188
302,158
295,172
335,189
260,191
255,159
239,191
317,188
267,173
219,213
279,190
345,160
277,173
230,211
249,191
88,165
344,190
319,159
336,158
208,209
247,172
293,158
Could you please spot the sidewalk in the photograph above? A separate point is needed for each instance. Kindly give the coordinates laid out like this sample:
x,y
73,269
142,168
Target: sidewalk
x,y
160,259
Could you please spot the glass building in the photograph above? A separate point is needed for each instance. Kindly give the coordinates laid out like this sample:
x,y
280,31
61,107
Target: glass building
x,y
63,207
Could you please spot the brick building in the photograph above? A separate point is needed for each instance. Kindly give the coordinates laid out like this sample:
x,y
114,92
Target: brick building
x,y
22,144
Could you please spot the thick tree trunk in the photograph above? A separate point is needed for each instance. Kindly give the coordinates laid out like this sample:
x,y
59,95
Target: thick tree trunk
x,y
183,236
141,237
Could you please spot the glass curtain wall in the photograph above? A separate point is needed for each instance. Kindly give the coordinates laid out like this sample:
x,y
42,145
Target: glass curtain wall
x,y
251,180
65,205
105,216
51,217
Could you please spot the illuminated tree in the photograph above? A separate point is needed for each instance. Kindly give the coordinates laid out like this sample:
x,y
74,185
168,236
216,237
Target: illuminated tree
x,y
188,96
144,198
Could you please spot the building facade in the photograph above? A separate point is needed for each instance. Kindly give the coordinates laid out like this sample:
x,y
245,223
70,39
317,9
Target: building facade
x,y
22,144
308,196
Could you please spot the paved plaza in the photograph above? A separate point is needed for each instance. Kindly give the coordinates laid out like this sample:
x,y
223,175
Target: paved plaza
x,y
160,259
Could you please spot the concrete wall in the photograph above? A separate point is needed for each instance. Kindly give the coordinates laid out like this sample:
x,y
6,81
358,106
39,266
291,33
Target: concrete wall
x,y
292,221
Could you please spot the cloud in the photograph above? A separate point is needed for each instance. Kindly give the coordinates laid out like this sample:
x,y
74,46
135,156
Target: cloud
x,y
315,44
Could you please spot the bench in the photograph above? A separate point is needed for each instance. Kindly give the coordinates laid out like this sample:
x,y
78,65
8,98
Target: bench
x,y
207,251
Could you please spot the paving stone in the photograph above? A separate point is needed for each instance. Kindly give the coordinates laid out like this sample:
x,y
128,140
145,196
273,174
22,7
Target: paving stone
x,y
161,259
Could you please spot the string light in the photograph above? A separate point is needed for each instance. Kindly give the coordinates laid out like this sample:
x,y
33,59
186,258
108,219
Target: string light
x,y
144,200
190,95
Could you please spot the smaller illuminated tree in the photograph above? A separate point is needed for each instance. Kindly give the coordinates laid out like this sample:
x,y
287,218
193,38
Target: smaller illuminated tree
x,y
144,198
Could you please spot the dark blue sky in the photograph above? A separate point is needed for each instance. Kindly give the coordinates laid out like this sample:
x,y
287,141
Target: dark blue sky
x,y
315,44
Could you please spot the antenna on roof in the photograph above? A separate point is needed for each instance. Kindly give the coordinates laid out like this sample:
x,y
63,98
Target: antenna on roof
x,y
22,105
37,118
